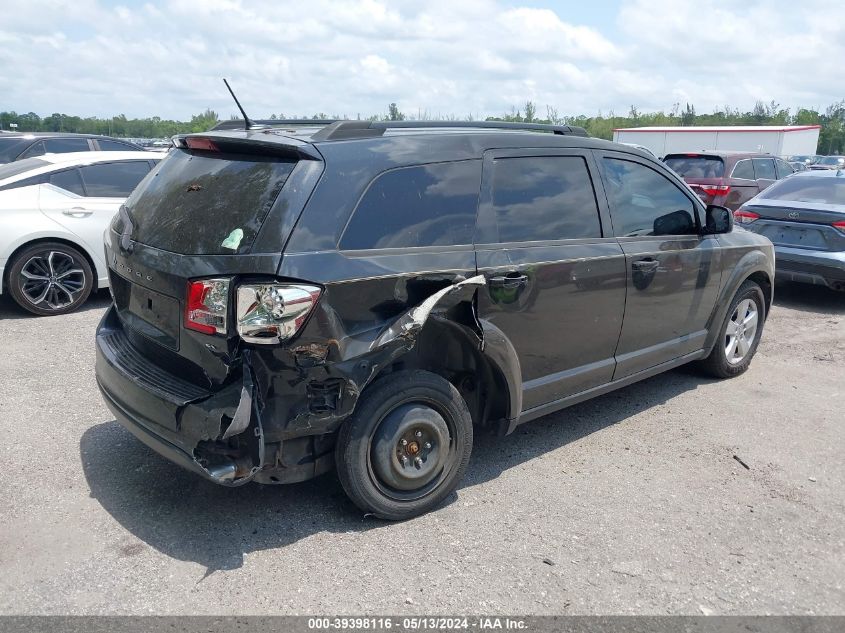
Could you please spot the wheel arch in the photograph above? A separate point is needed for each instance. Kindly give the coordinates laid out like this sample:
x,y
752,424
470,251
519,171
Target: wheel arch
x,y
753,266
487,375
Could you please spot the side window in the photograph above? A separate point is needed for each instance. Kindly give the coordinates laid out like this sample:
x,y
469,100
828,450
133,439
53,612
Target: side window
x,y
37,149
64,145
114,180
68,180
108,145
743,169
544,198
765,168
429,205
784,168
644,202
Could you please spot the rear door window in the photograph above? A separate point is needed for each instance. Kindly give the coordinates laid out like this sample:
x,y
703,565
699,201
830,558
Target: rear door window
x,y
425,205
36,149
743,169
202,203
69,180
114,180
65,145
765,169
695,165
544,198
645,202
107,145
11,147
784,168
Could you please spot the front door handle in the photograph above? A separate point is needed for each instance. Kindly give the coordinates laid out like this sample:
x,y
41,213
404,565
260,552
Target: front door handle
x,y
645,265
511,280
77,212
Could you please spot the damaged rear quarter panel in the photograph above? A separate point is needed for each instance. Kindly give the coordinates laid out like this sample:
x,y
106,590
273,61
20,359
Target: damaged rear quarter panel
x,y
370,313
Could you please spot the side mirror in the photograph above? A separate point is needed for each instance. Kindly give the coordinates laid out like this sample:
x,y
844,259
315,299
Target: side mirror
x,y
718,220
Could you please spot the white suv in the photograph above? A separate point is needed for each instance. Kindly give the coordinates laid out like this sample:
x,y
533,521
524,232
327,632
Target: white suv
x,y
53,211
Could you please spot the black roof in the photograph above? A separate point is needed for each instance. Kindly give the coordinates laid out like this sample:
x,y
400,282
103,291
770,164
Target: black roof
x,y
406,142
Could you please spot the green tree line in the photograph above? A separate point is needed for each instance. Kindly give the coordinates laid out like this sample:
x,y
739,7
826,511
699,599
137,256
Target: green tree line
x,y
831,120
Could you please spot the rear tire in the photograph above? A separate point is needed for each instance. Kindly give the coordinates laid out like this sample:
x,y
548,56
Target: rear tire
x,y
50,278
737,341
406,446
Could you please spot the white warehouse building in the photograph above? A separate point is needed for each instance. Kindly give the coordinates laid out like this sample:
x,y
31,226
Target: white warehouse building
x,y
780,140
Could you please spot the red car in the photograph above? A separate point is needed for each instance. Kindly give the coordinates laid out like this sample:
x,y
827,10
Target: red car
x,y
728,178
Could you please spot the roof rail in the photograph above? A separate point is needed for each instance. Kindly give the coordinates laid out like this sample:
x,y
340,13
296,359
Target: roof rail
x,y
238,124
343,130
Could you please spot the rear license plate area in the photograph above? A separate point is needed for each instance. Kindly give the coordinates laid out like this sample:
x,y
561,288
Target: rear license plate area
x,y
154,315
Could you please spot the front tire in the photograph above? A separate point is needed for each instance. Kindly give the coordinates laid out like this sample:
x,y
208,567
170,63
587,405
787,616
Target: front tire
x,y
739,335
50,278
406,446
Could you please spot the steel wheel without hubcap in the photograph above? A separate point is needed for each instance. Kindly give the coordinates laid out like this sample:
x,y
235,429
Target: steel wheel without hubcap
x,y
51,280
411,451
740,331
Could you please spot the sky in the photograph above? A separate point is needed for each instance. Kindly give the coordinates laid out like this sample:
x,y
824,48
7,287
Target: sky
x,y
166,58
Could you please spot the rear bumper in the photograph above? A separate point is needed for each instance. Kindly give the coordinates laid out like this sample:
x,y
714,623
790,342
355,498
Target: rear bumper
x,y
808,266
165,412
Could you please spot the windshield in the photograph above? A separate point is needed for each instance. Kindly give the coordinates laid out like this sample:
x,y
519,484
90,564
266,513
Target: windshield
x,y
21,166
10,148
695,166
203,203
808,189
831,160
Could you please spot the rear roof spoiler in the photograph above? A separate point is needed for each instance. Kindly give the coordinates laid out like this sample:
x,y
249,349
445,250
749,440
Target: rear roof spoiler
x,y
253,141
343,130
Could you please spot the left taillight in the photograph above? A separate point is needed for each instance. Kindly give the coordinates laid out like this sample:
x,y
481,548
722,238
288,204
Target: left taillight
x,y
207,306
743,216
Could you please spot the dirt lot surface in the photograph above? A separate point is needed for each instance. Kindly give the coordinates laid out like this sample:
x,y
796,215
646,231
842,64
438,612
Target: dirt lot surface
x,y
635,502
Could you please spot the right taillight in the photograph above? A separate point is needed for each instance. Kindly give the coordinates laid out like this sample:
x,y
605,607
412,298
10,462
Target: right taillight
x,y
745,217
270,313
839,225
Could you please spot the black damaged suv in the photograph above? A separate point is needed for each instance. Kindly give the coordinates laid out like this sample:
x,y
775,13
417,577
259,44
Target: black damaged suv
x,y
361,295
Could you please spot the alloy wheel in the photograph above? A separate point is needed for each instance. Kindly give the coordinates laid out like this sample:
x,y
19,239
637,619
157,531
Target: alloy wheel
x,y
740,331
51,280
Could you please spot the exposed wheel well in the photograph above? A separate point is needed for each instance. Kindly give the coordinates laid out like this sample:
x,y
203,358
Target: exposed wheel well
x,y
450,350
58,240
762,280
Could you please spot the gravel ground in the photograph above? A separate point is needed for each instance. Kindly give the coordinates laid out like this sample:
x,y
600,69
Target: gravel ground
x,y
635,502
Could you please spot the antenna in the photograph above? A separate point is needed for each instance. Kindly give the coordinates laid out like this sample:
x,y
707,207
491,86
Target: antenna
x,y
247,122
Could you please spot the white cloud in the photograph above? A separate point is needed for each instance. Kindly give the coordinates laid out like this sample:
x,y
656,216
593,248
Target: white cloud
x,y
347,57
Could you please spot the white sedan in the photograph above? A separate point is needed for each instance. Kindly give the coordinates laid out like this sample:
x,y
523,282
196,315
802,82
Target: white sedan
x,y
53,212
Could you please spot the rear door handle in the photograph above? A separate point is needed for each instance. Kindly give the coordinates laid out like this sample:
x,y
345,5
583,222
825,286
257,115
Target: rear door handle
x,y
645,265
77,212
511,280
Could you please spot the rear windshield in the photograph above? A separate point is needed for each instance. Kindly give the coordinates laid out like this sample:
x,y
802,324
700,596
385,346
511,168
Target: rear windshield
x,y
808,189
695,166
199,203
11,147
20,167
